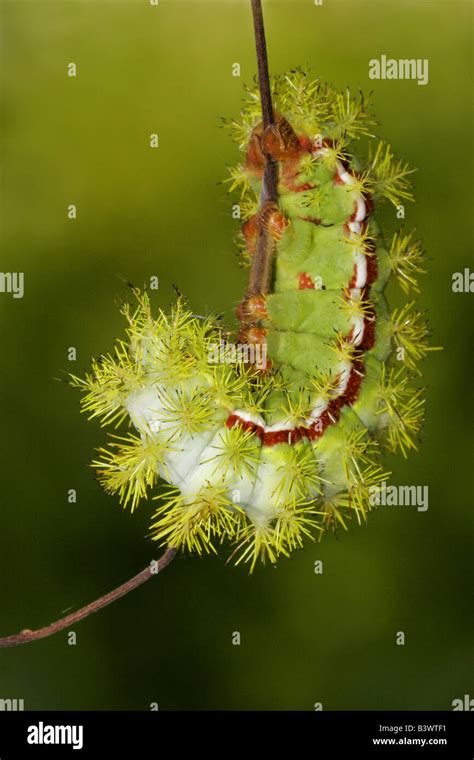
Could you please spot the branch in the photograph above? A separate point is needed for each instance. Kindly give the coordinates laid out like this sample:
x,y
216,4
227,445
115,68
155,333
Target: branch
x,y
261,271
25,636
259,282
262,63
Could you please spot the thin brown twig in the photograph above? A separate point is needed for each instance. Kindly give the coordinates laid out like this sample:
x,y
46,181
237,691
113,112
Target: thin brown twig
x,y
25,636
261,271
259,282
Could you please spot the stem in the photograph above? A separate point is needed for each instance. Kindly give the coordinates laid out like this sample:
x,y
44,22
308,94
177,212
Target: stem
x,y
25,636
262,63
259,282
261,271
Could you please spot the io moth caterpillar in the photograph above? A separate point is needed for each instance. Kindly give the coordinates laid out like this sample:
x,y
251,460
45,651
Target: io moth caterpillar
x,y
266,455
265,460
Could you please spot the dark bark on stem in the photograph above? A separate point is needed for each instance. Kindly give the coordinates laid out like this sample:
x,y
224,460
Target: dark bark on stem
x,y
261,271
25,636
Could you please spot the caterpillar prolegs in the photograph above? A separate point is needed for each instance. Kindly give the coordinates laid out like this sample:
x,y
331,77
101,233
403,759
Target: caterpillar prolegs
x,y
267,459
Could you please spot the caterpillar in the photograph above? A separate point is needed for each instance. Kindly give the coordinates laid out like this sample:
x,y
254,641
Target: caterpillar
x,y
264,458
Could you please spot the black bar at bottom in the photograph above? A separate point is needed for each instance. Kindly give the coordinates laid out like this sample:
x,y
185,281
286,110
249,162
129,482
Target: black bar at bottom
x,y
324,734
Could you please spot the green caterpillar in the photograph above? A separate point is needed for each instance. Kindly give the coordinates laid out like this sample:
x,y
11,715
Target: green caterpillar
x,y
265,459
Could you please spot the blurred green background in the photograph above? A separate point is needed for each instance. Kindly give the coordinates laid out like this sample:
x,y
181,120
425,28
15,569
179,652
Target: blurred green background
x,y
305,638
